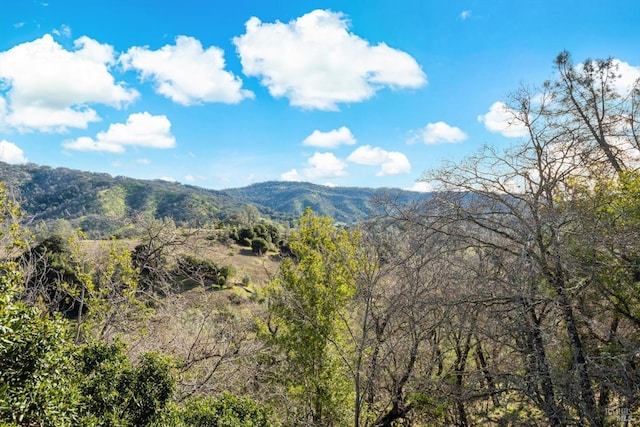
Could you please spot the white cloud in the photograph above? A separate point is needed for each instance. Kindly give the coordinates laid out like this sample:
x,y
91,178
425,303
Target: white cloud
x,y
324,165
396,164
501,119
143,161
628,75
291,175
465,14
316,63
390,162
421,187
11,153
141,129
50,88
168,179
330,139
186,73
85,143
366,155
18,25
439,132
320,166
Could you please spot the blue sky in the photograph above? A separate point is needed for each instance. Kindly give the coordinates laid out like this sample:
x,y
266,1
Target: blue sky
x,y
223,94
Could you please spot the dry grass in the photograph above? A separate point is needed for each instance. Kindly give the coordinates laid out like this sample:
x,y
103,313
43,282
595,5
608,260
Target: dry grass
x,y
211,332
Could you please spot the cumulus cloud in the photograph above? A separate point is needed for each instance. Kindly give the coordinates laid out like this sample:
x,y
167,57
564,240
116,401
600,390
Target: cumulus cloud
x,y
11,153
324,165
320,166
186,73
439,132
330,139
51,88
85,143
501,119
465,14
316,63
390,162
141,130
291,175
628,75
421,187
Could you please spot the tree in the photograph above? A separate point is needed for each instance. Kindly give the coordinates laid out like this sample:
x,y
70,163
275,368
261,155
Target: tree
x,y
517,217
307,301
259,246
154,257
417,338
600,108
35,386
36,381
607,258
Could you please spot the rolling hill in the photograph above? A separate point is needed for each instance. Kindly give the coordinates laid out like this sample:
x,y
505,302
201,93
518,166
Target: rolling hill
x,y
101,203
344,204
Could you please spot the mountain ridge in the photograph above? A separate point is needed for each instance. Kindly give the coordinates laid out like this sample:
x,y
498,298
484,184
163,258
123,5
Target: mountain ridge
x,y
100,201
343,204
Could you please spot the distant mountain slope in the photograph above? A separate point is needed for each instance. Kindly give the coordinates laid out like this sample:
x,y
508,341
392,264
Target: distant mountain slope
x,y
94,200
101,203
344,204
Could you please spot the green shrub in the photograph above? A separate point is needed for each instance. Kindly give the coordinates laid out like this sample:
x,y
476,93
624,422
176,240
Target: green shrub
x,y
117,393
225,274
37,385
259,246
226,410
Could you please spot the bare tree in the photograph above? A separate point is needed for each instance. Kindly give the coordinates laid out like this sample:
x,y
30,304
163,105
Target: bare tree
x,y
532,225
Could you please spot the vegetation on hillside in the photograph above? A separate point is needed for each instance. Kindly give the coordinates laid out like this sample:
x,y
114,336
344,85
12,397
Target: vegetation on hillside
x,y
346,205
102,205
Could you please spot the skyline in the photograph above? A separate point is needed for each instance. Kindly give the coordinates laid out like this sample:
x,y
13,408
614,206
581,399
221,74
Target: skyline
x,y
333,92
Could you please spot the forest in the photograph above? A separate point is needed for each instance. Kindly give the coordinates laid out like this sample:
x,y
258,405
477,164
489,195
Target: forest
x,y
509,297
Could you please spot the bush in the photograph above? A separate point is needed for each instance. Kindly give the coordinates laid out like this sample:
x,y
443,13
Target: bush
x,y
259,246
117,393
246,233
226,410
204,271
36,381
225,274
246,280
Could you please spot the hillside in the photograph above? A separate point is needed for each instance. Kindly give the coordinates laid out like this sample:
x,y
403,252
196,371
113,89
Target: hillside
x,y
344,204
100,203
